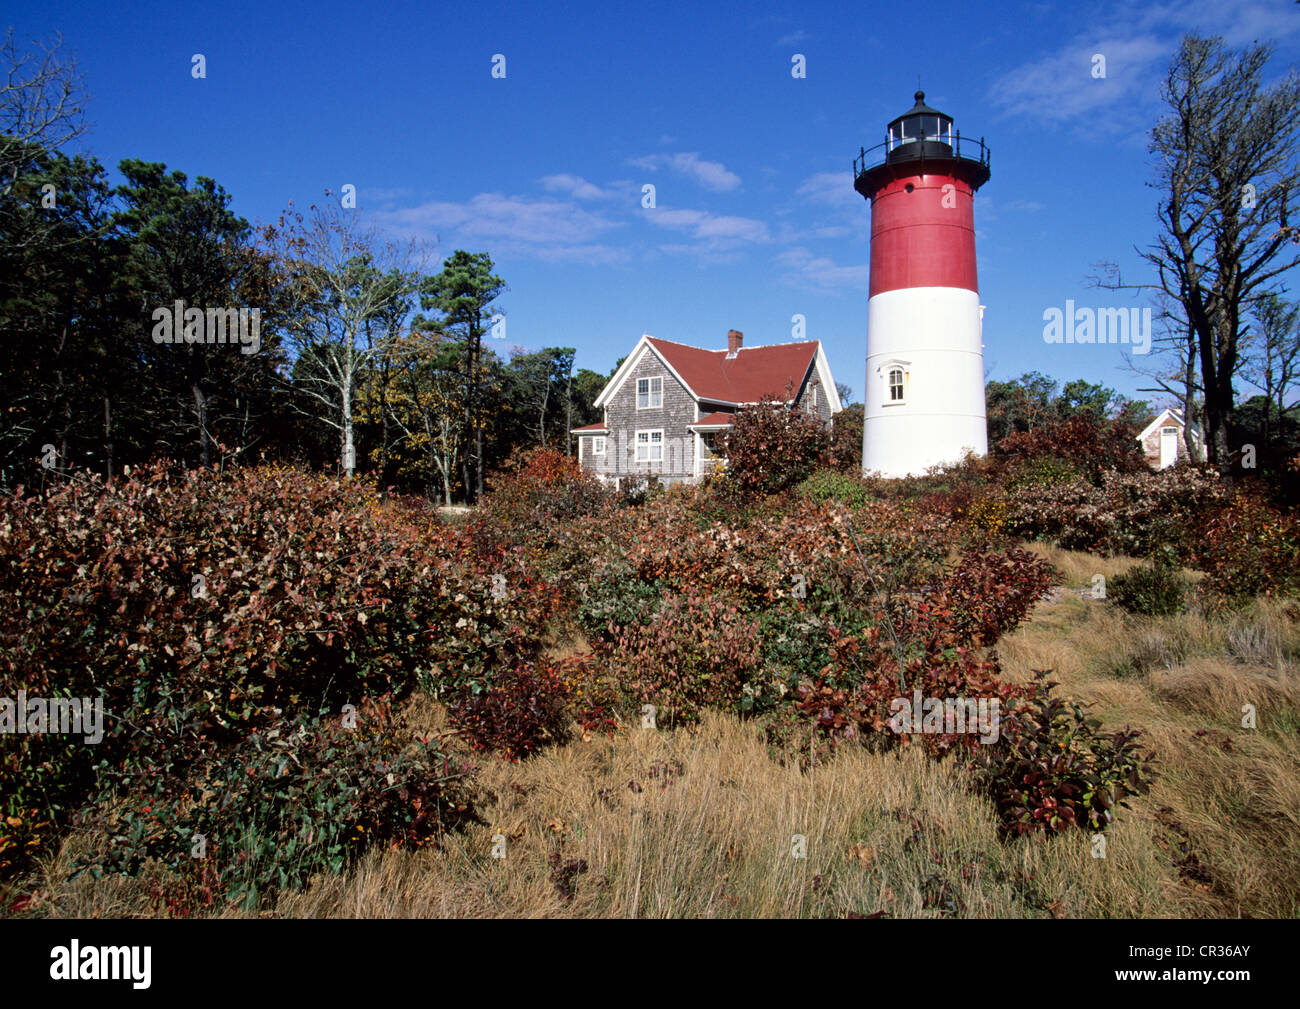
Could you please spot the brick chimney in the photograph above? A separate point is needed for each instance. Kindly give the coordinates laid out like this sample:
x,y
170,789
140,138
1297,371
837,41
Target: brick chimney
x,y
734,339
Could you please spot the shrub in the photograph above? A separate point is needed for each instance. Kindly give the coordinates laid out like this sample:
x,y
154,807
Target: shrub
x,y
542,506
1054,768
993,592
223,600
1134,513
695,653
926,645
302,796
770,448
1155,590
615,597
989,513
1092,444
519,712
865,712
834,485
1250,548
845,451
1042,471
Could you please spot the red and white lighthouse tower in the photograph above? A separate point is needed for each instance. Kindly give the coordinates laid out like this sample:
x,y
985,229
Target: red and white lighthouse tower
x,y
925,358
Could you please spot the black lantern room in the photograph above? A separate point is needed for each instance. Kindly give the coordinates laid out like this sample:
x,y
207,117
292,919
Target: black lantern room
x,y
920,132
921,141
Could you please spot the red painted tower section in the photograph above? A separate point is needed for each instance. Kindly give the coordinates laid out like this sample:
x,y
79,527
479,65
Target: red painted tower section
x,y
916,241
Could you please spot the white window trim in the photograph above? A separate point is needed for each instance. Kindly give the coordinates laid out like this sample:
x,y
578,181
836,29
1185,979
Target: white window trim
x,y
598,444
882,372
650,380
648,431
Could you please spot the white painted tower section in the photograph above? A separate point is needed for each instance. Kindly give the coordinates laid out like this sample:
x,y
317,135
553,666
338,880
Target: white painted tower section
x,y
932,335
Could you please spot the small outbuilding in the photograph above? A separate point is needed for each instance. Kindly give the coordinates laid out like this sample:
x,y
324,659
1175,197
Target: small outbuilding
x,y
1163,443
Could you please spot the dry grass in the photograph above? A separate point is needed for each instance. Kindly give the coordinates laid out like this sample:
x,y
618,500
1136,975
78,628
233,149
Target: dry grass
x,y
702,824
1228,796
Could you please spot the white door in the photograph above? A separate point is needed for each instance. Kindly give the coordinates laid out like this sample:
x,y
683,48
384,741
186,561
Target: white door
x,y
1168,446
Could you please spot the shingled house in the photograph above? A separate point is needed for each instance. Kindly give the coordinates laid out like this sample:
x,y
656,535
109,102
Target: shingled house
x,y
667,403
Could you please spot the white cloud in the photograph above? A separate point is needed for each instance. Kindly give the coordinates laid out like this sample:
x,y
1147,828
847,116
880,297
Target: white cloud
x,y
793,38
833,189
712,175
1060,88
576,186
1138,42
543,228
821,273
710,232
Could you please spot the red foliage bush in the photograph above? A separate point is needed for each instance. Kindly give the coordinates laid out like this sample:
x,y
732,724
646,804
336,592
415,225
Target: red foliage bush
x,y
519,712
695,653
770,448
219,601
1250,548
541,508
1093,444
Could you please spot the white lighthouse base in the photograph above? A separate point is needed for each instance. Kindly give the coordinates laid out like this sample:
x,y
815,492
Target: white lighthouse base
x,y
933,336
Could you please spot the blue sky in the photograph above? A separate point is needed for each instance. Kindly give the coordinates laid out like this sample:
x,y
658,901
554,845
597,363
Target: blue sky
x,y
756,218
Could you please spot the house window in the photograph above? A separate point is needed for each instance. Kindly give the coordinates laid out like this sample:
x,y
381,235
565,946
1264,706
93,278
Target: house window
x,y
810,401
649,393
895,385
649,446
598,446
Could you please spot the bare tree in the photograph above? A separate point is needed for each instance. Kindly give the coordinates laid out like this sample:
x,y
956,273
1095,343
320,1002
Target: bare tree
x,y
42,104
1227,167
343,282
1272,356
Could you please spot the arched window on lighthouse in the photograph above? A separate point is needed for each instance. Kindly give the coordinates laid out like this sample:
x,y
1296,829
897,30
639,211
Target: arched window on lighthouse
x,y
893,377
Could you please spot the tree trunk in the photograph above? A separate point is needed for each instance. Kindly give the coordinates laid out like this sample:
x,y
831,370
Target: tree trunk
x,y
349,448
108,439
201,413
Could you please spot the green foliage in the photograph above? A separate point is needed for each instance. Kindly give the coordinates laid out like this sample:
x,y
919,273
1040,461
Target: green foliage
x,y
1055,769
302,796
615,598
1044,471
1155,590
834,485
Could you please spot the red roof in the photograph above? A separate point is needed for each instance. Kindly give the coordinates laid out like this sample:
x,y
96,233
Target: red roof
x,y
715,420
590,427
753,373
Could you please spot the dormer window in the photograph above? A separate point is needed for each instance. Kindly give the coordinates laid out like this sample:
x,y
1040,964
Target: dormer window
x,y
649,393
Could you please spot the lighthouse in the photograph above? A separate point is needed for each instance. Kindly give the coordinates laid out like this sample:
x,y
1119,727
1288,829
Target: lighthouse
x,y
925,360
